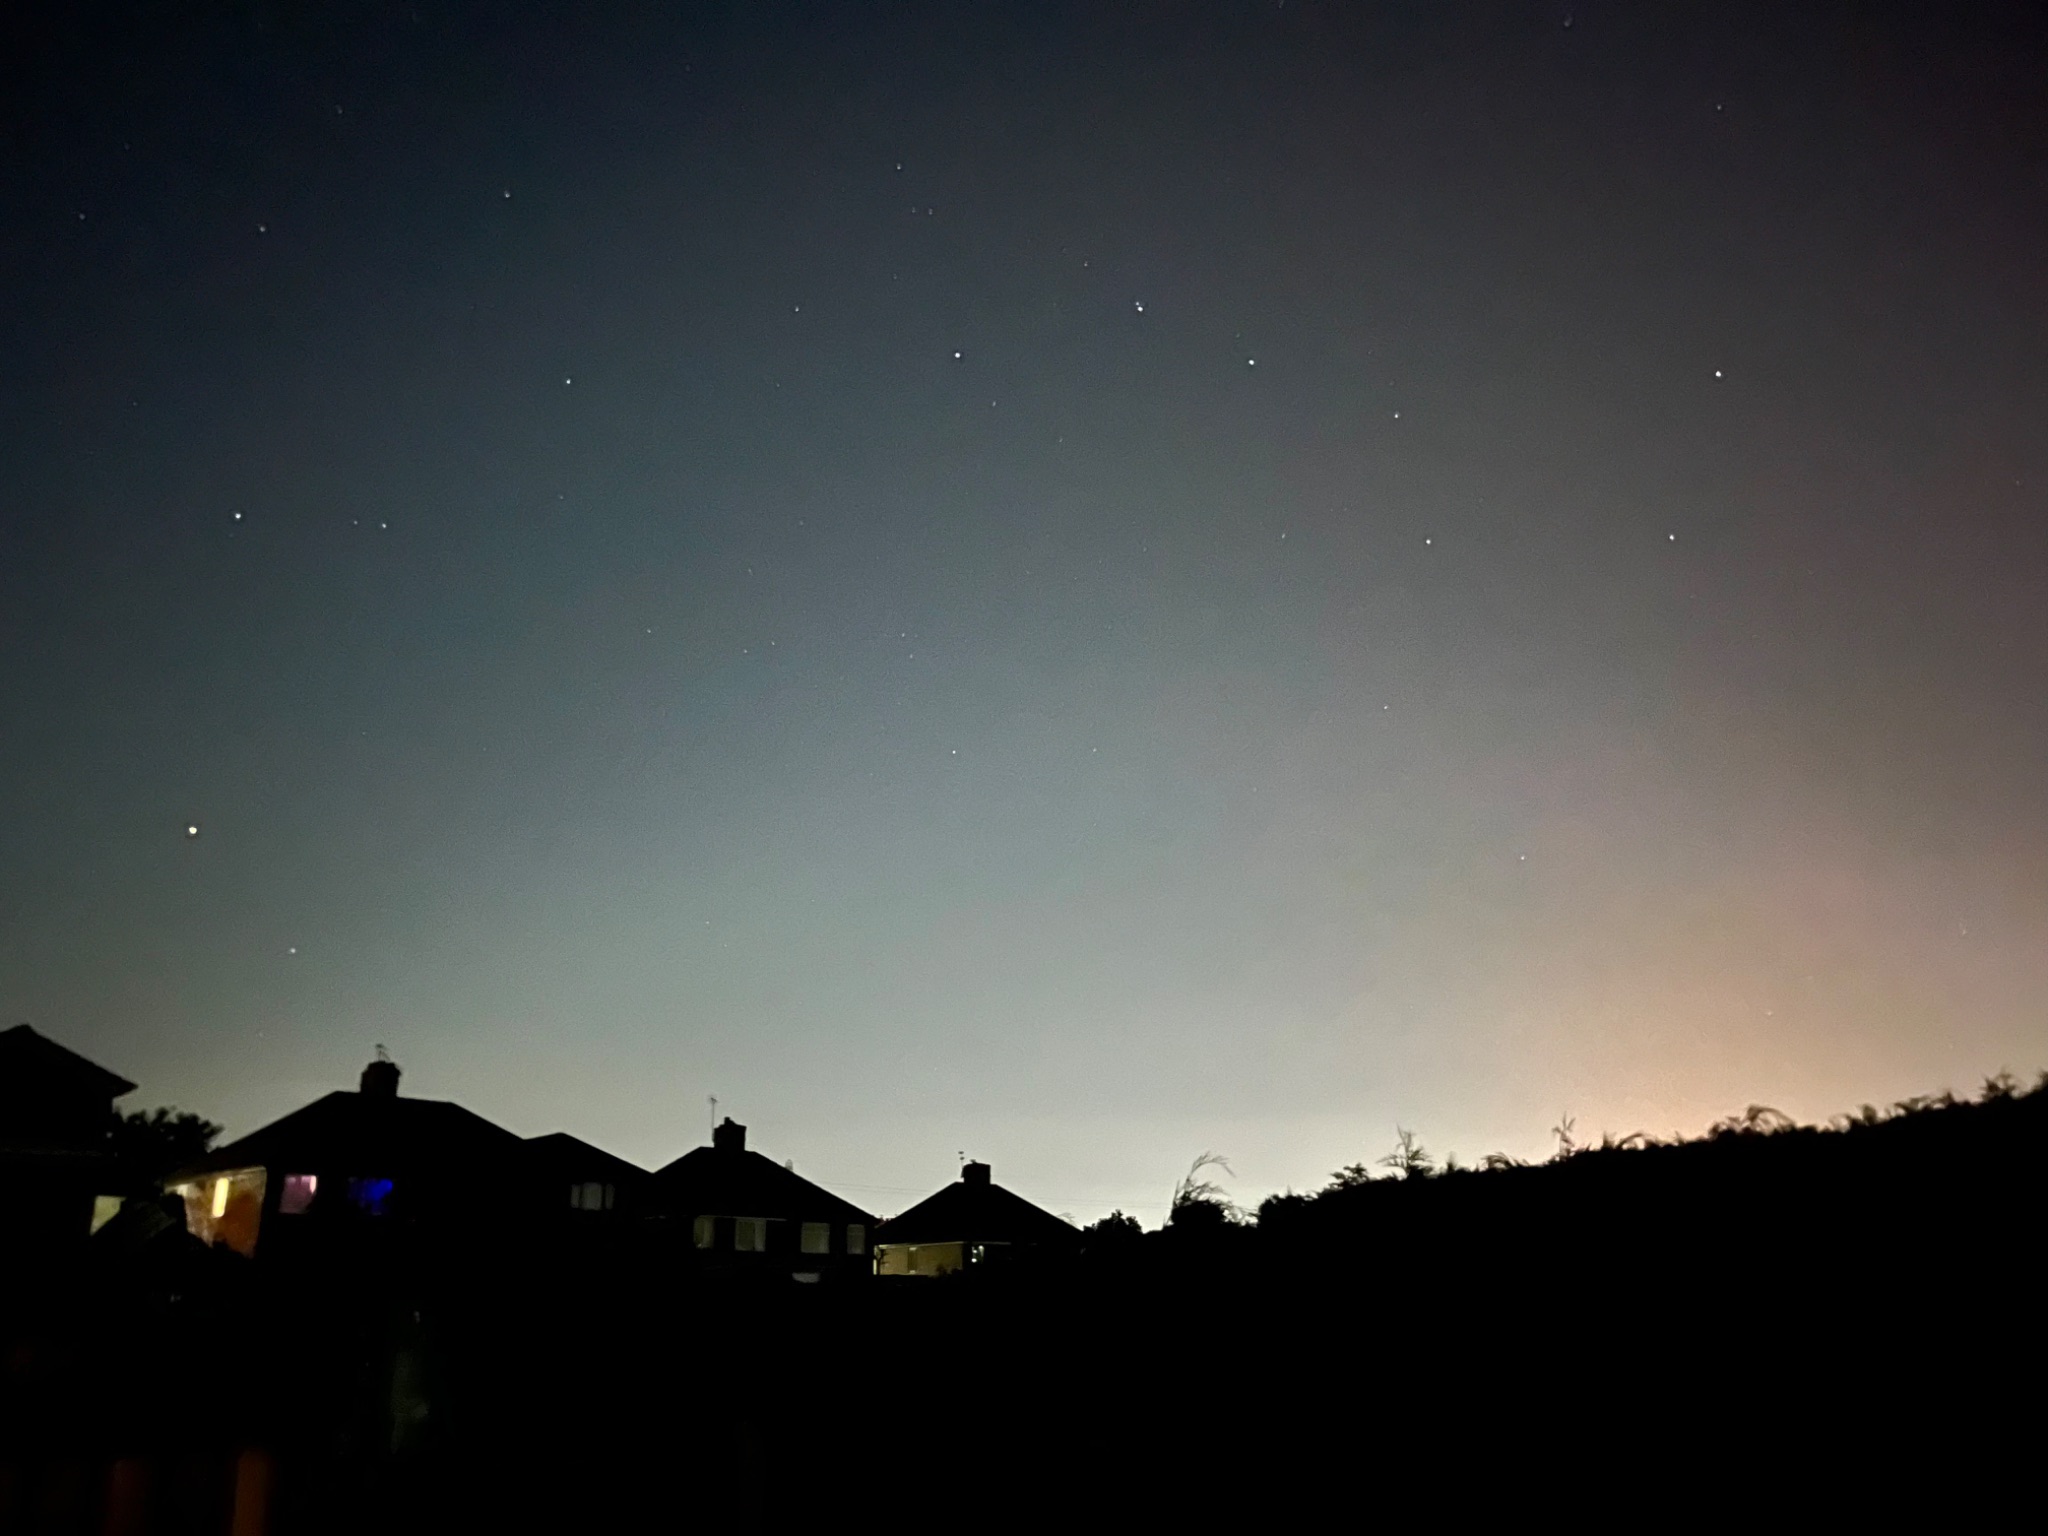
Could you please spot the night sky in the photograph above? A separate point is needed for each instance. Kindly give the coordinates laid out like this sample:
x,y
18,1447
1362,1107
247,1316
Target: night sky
x,y
1077,585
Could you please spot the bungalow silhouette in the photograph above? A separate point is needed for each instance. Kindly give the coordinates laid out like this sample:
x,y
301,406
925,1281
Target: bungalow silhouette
x,y
967,1225
55,1111
743,1213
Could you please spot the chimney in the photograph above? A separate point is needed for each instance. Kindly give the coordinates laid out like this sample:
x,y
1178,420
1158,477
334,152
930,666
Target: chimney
x,y
974,1173
730,1137
380,1077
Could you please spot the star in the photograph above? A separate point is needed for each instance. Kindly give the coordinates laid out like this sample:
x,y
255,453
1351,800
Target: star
x,y
1717,373
191,830
1139,304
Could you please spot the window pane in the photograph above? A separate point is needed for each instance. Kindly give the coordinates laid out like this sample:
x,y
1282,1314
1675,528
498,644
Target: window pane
x,y
817,1237
298,1192
707,1231
856,1238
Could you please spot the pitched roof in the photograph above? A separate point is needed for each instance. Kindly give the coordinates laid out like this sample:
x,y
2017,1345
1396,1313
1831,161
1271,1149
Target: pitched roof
x,y
571,1156
372,1135
976,1212
28,1057
730,1181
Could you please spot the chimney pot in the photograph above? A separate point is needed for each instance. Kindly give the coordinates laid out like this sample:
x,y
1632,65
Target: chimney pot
x,y
974,1173
730,1137
380,1079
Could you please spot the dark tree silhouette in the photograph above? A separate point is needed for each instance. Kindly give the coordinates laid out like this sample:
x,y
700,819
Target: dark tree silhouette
x,y
1115,1233
149,1144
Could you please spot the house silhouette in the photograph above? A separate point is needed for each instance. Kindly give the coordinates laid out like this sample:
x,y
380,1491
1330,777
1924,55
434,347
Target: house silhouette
x,y
742,1213
586,1181
55,1111
371,1156
968,1224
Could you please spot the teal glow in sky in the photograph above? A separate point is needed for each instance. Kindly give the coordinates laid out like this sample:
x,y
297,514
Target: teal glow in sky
x,y
1076,588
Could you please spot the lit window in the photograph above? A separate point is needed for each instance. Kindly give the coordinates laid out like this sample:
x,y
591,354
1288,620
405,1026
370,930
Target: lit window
x,y
707,1231
750,1235
220,1198
298,1192
370,1195
856,1238
817,1237
104,1209
590,1195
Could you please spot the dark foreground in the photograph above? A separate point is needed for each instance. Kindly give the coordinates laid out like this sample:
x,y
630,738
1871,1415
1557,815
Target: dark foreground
x,y
1780,1329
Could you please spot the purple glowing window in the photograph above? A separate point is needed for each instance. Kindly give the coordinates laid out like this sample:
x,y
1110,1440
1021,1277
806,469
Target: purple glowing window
x,y
297,1194
369,1196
